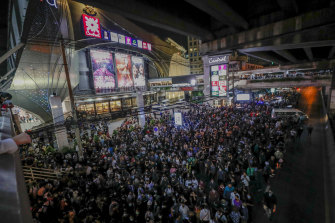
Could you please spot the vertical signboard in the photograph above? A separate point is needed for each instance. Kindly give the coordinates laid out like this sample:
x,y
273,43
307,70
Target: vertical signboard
x,y
128,40
219,80
123,68
122,38
138,71
91,26
103,71
114,37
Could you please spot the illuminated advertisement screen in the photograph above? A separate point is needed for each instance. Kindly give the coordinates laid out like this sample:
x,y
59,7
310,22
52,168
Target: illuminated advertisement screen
x,y
103,71
219,80
243,97
123,70
138,71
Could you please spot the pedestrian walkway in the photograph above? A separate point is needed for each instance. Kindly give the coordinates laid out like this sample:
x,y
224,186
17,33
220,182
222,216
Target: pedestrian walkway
x,y
299,185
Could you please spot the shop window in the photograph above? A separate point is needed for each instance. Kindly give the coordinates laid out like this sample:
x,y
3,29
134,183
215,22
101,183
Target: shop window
x,y
102,107
127,103
115,105
86,108
134,102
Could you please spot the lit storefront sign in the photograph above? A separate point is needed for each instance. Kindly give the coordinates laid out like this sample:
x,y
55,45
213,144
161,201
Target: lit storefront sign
x,y
218,59
93,28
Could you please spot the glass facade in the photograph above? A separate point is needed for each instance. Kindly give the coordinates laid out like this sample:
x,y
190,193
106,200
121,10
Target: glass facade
x,y
175,95
110,106
87,108
102,107
115,105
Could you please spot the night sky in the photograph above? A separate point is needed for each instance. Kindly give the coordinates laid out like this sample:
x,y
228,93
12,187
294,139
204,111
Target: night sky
x,y
163,34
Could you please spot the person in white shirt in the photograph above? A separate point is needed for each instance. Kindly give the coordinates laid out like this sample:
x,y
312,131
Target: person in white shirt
x,y
245,179
205,214
11,145
184,210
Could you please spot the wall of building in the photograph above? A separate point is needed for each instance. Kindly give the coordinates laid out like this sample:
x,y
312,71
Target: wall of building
x,y
179,66
196,66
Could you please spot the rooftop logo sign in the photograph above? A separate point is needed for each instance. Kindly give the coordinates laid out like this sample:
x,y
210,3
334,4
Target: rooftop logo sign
x,y
93,28
218,59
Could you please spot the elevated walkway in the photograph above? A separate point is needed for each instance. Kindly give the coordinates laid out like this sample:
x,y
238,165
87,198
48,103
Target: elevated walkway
x,y
281,83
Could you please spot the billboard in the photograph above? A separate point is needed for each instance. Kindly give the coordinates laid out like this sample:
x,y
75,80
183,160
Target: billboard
x,y
103,71
219,80
138,71
123,68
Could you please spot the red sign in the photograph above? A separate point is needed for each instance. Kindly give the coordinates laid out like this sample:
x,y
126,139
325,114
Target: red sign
x,y
145,46
91,26
186,88
215,83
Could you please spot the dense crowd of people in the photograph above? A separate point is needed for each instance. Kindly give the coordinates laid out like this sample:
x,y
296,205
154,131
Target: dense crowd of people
x,y
213,168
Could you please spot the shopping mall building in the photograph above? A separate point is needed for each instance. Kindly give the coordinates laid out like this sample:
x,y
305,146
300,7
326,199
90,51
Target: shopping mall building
x,y
115,66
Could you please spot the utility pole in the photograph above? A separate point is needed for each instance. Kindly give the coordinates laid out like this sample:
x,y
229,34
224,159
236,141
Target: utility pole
x,y
74,112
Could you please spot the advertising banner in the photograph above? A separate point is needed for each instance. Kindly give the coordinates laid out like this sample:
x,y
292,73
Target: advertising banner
x,y
105,35
114,37
90,22
219,80
103,71
138,71
128,40
122,38
123,68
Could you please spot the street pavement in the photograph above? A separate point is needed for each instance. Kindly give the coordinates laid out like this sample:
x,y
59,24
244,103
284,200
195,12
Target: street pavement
x,y
299,184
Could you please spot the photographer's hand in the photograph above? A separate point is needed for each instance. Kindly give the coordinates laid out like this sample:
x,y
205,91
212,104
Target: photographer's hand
x,y
22,139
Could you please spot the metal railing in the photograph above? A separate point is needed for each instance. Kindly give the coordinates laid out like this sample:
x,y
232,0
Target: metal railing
x,y
36,173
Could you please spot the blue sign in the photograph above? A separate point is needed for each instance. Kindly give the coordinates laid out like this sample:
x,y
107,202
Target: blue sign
x,y
134,42
105,34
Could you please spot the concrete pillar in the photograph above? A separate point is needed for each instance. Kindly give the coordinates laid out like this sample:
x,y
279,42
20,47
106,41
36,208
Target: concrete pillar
x,y
207,79
286,73
331,100
140,105
66,105
58,119
84,81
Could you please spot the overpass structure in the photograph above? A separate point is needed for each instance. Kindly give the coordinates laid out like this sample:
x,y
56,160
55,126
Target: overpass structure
x,y
281,83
